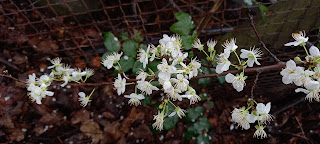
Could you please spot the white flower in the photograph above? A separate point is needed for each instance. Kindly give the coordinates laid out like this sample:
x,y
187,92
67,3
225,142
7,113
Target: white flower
x,y
153,50
45,80
314,51
165,67
65,69
164,80
191,95
56,63
180,58
89,72
197,44
146,87
111,59
77,74
263,111
316,74
31,82
211,44
134,99
66,78
181,83
194,65
83,99
259,132
290,72
158,125
120,85
303,76
230,46
143,56
299,38
223,63
237,81
141,75
180,112
253,55
242,117
38,93
312,91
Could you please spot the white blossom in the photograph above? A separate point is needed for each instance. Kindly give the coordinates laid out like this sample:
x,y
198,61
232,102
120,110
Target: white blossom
x,y
314,51
197,44
223,62
237,81
158,125
56,63
230,46
146,87
120,85
290,72
77,74
260,132
211,44
180,112
111,59
141,75
191,95
302,77
38,93
143,56
83,99
312,91
243,118
299,38
180,58
134,99
263,111
253,55
89,72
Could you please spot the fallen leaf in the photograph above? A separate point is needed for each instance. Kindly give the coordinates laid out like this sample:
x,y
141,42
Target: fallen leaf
x,y
16,134
91,129
80,63
108,115
80,116
95,62
143,131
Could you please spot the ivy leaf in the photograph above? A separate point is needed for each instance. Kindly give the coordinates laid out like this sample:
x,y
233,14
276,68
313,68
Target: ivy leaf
x,y
170,122
137,65
106,54
193,113
126,64
130,48
204,81
111,42
184,24
190,54
153,66
208,104
203,96
221,79
196,128
137,36
203,139
146,101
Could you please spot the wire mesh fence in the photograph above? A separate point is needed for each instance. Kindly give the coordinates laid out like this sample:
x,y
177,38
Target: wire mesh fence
x,y
74,28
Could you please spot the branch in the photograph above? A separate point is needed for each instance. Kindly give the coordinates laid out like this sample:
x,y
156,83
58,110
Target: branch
x,y
260,41
255,83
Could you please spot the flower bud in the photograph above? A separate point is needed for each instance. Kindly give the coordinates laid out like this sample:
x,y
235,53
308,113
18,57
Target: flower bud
x,y
297,59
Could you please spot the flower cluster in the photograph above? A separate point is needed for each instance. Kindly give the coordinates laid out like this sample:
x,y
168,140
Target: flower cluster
x,y
223,63
38,87
307,78
260,114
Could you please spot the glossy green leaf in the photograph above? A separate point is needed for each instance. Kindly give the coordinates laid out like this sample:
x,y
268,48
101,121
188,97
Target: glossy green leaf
x,y
203,139
137,36
196,128
146,101
184,24
193,113
137,65
170,122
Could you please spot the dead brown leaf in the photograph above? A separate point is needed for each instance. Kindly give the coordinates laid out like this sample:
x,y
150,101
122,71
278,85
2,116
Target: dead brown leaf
x,y
143,131
80,63
80,116
16,134
112,131
96,62
108,115
92,129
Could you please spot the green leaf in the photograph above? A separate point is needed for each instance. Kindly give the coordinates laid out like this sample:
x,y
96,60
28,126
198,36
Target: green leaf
x,y
187,42
193,113
208,104
170,122
263,9
221,79
130,48
111,42
203,96
137,36
137,65
123,35
190,54
155,83
196,128
126,65
154,130
153,66
204,81
147,101
184,24
203,139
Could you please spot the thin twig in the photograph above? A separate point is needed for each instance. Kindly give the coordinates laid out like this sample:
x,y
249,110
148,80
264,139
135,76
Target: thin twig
x,y
174,5
255,83
300,126
260,41
9,64
11,77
